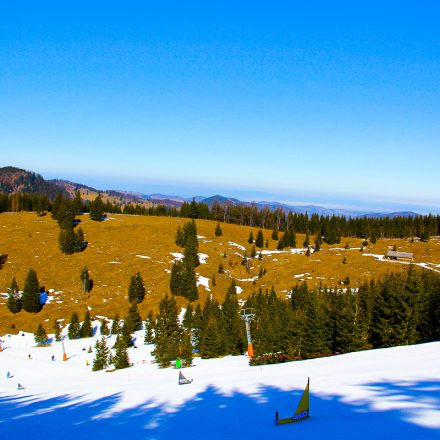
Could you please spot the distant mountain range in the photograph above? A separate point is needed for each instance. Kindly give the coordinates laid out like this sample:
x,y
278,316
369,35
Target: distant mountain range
x,y
18,180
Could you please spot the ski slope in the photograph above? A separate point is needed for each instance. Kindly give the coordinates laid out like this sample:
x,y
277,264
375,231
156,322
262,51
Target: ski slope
x,y
391,393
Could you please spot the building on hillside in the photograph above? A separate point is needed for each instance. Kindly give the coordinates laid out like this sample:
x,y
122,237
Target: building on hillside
x,y
399,256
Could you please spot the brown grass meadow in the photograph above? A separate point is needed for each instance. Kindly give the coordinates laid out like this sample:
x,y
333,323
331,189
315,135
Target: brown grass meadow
x,y
118,247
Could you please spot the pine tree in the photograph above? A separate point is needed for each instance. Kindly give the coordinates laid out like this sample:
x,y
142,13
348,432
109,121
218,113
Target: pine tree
x,y
218,231
191,256
292,238
136,290
102,355
232,325
67,240
31,293
57,330
186,348
221,269
149,328
211,345
193,209
74,329
77,207
15,302
105,331
120,359
179,238
133,320
167,332
97,209
251,238
86,330
116,327
188,318
79,241
86,282
318,242
126,334
275,233
40,335
253,252
190,283
213,282
259,242
280,245
306,242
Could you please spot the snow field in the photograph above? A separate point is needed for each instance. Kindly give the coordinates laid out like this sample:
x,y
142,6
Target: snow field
x,y
392,393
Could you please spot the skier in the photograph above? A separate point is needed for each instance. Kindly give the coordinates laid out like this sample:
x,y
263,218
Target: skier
x,y
20,386
53,357
29,356
8,375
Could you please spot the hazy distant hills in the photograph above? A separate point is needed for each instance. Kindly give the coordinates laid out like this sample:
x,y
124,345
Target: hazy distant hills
x,y
18,180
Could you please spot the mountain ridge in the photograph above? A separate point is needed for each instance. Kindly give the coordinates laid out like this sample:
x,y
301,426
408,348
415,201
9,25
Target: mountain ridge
x,y
13,179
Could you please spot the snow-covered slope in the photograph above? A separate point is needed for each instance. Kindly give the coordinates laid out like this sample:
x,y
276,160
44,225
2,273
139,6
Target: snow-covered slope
x,y
389,393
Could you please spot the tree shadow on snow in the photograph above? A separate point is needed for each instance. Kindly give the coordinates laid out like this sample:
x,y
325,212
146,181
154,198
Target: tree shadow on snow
x,y
213,415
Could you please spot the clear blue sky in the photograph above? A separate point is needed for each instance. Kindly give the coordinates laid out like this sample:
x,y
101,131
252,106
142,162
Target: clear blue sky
x,y
335,102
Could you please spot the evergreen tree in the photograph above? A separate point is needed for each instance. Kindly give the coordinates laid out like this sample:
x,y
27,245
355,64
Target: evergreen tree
x,y
221,269
86,282
211,345
190,283
190,255
136,290
116,327
40,335
31,293
186,348
232,325
77,207
213,282
188,319
15,302
306,242
167,332
253,252
424,236
251,238
292,239
259,242
318,242
193,209
57,330
275,232
86,330
149,328
105,331
280,245
79,241
133,320
218,231
74,329
120,359
179,238
97,209
67,240
102,354
126,334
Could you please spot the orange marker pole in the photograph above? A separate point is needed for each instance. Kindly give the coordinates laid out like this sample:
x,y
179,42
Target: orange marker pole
x,y
250,350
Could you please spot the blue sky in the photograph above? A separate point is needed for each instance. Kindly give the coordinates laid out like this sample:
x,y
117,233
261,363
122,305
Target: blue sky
x,y
335,103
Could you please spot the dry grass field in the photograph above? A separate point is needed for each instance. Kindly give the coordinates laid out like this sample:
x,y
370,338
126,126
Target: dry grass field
x,y
123,244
